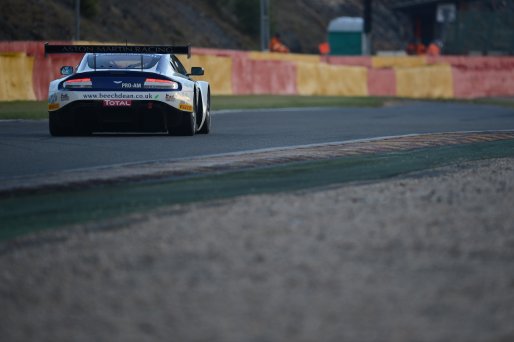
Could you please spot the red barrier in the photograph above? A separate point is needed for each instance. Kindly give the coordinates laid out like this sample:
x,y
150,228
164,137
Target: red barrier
x,y
477,83
364,61
381,82
475,62
31,48
262,77
47,69
216,52
282,76
241,75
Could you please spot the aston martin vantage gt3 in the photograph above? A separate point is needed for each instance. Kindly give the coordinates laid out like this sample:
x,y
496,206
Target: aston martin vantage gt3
x,y
128,89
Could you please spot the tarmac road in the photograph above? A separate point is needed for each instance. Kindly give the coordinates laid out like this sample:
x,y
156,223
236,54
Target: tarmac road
x,y
26,148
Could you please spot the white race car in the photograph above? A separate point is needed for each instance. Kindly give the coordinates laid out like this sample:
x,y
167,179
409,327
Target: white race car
x,y
128,89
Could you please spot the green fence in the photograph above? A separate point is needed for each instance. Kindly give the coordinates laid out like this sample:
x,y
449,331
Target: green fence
x,y
486,32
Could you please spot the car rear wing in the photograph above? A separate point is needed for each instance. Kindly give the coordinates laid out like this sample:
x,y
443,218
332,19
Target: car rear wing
x,y
136,49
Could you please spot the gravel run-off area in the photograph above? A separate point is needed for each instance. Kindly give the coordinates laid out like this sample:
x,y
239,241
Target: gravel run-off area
x,y
427,257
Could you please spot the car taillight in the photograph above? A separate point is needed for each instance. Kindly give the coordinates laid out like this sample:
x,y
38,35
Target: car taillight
x,y
154,83
78,83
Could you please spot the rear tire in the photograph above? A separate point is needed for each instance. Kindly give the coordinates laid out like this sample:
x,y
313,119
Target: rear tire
x,y
206,128
187,126
55,127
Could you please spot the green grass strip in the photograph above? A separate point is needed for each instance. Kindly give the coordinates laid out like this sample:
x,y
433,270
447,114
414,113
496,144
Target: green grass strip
x,y
278,101
33,110
39,110
21,214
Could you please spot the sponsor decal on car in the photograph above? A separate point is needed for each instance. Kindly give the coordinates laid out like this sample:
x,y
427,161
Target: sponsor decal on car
x,y
53,106
117,103
52,98
65,97
120,96
182,97
186,107
170,97
131,85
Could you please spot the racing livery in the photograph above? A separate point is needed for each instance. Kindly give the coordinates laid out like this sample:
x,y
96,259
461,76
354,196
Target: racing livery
x,y
128,89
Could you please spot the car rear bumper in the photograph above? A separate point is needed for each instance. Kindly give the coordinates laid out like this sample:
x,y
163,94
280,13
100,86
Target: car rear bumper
x,y
140,116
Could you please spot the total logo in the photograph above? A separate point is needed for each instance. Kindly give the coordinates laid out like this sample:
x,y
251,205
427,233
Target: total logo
x,y
117,103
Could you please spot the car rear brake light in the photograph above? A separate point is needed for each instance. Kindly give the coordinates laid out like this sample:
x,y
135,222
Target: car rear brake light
x,y
78,83
154,83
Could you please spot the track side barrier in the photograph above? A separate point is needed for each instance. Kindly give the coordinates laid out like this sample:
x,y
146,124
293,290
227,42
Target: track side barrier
x,y
480,76
381,82
475,62
425,82
239,72
482,83
44,68
47,69
324,79
242,75
16,81
218,72
363,61
263,77
289,57
398,61
216,52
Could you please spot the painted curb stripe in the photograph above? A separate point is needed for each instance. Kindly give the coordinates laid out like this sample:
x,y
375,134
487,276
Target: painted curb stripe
x,y
242,160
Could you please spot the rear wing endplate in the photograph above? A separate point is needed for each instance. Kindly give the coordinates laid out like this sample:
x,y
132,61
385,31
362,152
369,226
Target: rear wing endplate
x,y
136,49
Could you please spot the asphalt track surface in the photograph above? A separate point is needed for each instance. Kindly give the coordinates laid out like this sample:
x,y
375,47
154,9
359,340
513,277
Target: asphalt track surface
x,y
26,148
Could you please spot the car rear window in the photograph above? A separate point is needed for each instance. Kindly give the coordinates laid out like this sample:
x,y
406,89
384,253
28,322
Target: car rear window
x,y
122,61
